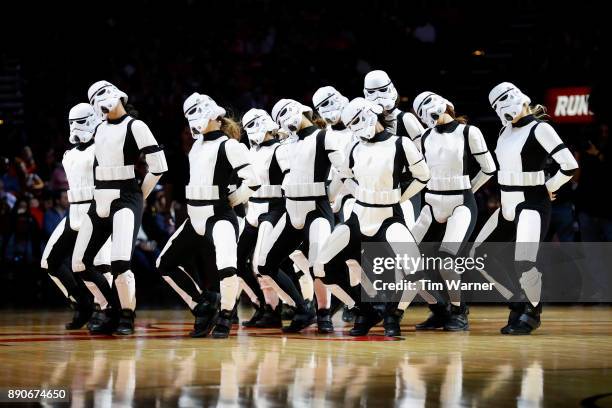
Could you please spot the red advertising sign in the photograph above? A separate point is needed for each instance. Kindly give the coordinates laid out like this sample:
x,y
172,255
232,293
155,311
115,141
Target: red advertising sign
x,y
569,105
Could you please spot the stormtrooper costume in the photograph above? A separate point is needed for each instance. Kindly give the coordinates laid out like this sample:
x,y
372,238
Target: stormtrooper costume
x,y
378,88
374,169
449,213
213,158
265,209
329,103
78,164
522,148
118,198
308,219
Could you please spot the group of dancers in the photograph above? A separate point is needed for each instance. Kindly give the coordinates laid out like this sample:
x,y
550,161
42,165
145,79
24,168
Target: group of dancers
x,y
285,220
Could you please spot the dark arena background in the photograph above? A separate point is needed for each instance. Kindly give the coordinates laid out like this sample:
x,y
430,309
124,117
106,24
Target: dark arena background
x,y
247,54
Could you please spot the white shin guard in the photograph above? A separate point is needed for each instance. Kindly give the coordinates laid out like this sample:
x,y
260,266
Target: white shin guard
x,y
126,288
229,289
97,294
307,286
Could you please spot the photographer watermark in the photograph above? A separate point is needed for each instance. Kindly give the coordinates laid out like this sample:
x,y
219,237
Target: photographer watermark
x,y
488,272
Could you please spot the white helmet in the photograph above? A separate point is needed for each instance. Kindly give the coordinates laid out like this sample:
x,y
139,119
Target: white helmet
x,y
256,123
360,117
83,122
378,88
288,114
105,97
429,107
329,103
508,101
199,110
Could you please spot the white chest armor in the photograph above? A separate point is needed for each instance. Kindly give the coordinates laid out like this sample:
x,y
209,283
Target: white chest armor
x,y
110,138
511,159
300,182
78,165
203,158
445,155
261,159
374,176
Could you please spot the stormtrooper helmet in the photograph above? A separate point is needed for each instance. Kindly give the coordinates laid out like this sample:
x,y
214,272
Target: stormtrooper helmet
x,y
507,100
83,122
288,114
429,107
360,117
329,103
105,97
199,110
256,123
378,88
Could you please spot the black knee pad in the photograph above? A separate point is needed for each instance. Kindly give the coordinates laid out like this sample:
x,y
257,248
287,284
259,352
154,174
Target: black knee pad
x,y
119,267
227,272
523,266
102,268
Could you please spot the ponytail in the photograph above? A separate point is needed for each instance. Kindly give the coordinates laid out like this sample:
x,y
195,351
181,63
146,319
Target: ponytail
x,y
539,112
230,127
316,120
461,118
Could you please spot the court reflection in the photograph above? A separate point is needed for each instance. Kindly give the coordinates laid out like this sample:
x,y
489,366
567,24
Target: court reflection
x,y
257,372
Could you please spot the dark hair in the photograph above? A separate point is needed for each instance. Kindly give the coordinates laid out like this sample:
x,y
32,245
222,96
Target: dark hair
x,y
316,120
386,123
461,118
129,108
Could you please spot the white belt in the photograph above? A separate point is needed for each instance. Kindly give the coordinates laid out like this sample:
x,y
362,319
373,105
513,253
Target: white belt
x,y
76,195
109,173
305,190
449,183
384,197
520,178
202,192
268,191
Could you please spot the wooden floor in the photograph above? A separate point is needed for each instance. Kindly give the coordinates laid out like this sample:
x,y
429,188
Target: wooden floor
x,y
567,361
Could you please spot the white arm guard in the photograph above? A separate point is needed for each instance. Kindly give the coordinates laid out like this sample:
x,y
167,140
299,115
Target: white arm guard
x,y
238,156
552,143
478,148
414,128
154,155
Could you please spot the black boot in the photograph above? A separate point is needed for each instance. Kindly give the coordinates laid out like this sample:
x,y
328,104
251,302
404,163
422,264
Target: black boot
x,y
528,321
392,321
288,312
259,312
437,318
96,318
223,325
302,319
458,320
324,322
104,322
348,314
205,312
126,322
366,318
271,318
235,319
516,309
81,315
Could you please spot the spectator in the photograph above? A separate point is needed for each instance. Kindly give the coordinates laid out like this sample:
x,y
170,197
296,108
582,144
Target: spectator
x,y
54,215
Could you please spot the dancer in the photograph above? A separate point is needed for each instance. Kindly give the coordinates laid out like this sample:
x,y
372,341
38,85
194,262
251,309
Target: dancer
x,y
118,198
78,163
308,220
213,158
450,212
376,164
524,143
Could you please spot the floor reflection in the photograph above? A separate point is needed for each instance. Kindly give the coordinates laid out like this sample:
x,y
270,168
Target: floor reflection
x,y
275,375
